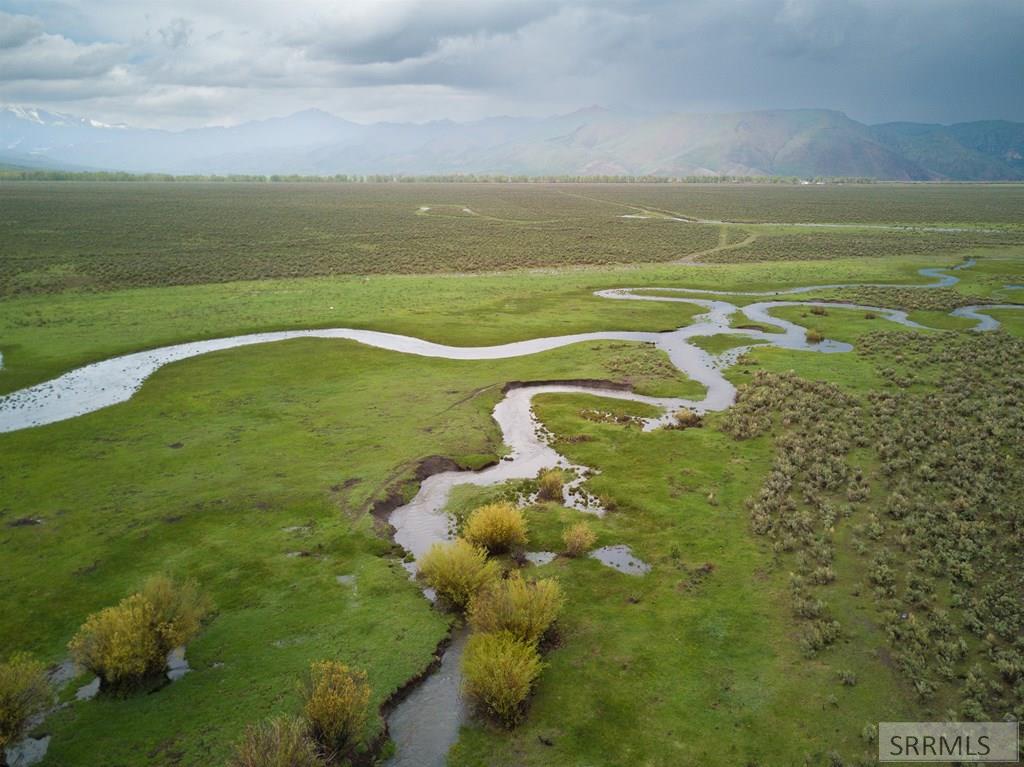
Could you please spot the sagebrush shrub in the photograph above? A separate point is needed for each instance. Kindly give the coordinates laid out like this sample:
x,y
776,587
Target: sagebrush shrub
x,y
496,527
336,703
498,674
281,742
457,570
525,609
130,641
578,539
24,692
550,485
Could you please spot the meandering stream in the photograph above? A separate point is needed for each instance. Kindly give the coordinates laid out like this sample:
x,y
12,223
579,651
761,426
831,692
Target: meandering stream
x,y
426,723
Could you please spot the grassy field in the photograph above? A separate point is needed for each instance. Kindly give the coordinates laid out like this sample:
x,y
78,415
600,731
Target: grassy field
x,y
254,470
43,336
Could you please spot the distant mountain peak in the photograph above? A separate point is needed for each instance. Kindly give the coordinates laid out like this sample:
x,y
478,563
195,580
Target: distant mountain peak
x,y
594,110
590,140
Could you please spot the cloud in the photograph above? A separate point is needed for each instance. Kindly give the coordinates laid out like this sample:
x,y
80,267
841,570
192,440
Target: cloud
x,y
399,30
16,30
185,62
54,57
177,33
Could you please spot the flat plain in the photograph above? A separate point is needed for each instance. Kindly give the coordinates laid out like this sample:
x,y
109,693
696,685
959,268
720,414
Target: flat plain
x,y
877,489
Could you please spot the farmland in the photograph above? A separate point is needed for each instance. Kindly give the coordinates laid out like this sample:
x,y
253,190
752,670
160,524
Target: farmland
x,y
787,535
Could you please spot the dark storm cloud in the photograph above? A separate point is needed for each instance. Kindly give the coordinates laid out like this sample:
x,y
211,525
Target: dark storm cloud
x,y
180,62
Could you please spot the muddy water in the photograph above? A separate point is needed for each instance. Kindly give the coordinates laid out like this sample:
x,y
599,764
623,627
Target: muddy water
x,y
426,724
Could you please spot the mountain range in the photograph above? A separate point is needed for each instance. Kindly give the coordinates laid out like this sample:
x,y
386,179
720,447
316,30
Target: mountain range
x,y
591,141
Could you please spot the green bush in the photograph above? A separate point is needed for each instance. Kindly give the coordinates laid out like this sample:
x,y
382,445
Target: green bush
x,y
550,483
24,693
578,539
457,570
496,527
281,742
336,703
129,642
499,671
525,609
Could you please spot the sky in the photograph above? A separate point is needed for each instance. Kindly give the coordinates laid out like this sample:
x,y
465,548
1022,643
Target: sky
x,y
187,63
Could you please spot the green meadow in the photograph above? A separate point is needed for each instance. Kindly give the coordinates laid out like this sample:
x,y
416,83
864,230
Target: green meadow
x,y
255,470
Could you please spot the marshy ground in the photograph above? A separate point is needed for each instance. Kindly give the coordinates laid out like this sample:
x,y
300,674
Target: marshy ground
x,y
222,466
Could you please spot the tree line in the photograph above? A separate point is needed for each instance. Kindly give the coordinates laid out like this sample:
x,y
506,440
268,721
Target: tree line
x,y
16,174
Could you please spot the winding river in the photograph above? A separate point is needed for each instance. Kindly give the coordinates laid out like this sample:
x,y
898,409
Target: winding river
x,y
426,723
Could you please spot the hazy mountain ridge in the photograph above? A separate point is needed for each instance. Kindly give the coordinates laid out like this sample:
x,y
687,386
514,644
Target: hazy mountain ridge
x,y
592,141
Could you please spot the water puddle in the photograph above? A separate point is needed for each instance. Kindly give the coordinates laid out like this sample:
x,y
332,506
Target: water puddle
x,y
62,673
540,557
620,558
88,691
28,752
177,665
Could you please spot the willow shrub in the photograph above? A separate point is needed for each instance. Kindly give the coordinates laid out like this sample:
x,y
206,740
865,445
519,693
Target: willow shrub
x,y
24,693
498,673
551,482
336,704
457,570
578,539
179,609
129,642
525,609
496,527
281,742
